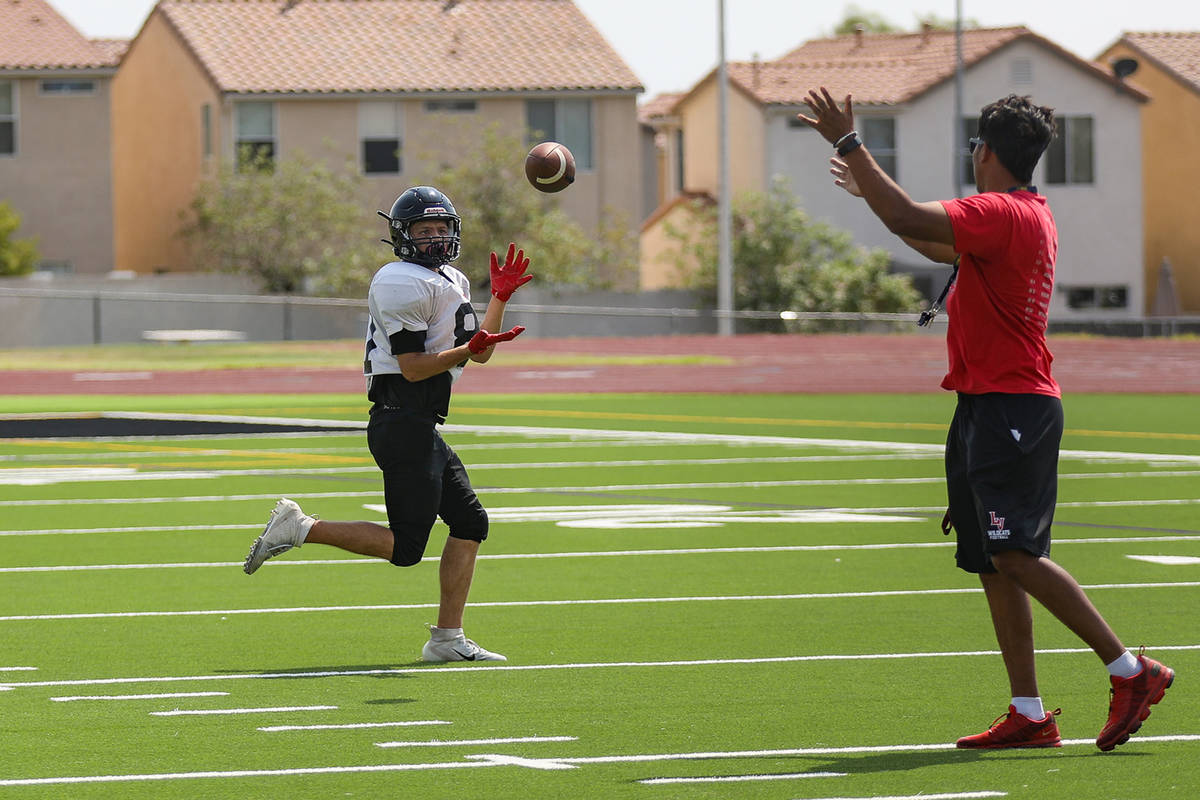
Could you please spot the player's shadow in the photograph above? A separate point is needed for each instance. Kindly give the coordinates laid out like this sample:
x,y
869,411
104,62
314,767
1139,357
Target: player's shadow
x,y
859,764
377,671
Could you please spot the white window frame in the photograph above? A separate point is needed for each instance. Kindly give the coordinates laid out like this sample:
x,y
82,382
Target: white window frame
x,y
12,117
1066,124
585,153
878,151
367,119
66,91
240,139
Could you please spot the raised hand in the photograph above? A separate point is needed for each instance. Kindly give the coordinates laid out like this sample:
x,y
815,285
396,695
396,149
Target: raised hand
x,y
509,276
843,177
831,122
483,340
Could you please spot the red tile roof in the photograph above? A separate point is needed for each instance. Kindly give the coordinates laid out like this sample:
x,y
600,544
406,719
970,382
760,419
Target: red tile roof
x,y
1177,53
881,69
319,46
661,105
36,37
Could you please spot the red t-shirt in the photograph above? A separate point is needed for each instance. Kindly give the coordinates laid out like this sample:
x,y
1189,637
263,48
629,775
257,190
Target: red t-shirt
x,y
998,307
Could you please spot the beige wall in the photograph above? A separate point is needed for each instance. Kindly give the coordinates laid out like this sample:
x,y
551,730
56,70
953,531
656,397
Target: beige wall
x,y
1170,175
701,140
60,178
660,251
157,152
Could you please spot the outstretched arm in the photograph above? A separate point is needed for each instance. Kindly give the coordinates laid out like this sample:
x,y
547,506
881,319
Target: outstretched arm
x,y
506,278
934,251
924,222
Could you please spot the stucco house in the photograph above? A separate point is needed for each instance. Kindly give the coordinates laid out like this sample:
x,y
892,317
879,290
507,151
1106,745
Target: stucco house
x,y
1168,66
55,139
393,85
904,94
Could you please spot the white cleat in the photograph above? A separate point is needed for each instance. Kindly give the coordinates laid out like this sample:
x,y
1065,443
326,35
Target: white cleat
x,y
460,648
286,529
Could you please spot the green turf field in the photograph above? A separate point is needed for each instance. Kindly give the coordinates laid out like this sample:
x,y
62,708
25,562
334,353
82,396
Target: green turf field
x,y
699,596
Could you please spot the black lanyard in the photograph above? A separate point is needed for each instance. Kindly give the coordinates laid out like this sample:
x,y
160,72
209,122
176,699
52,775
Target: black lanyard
x,y
928,314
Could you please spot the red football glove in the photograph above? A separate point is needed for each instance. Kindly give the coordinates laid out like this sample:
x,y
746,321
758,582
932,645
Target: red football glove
x,y
509,277
483,340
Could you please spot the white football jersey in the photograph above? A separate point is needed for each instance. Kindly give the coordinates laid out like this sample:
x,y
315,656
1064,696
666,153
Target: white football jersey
x,y
407,296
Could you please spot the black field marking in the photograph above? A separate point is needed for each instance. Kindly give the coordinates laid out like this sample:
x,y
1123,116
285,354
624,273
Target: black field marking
x,y
81,426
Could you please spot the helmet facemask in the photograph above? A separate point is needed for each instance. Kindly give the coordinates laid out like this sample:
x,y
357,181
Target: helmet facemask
x,y
428,251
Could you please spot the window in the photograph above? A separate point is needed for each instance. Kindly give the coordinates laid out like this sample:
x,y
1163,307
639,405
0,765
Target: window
x,y
450,106
568,122
1083,297
1071,154
68,87
970,127
8,119
679,160
379,130
879,136
255,138
206,130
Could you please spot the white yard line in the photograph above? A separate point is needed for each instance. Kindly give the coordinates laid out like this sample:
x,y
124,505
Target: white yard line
x,y
228,612
480,670
164,696
783,776
204,712
477,742
495,760
680,551
350,726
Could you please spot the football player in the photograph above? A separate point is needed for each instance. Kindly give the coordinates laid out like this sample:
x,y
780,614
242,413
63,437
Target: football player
x,y
421,333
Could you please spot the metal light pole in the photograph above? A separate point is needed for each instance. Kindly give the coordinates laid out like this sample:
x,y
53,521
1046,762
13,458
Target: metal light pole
x,y
960,144
724,209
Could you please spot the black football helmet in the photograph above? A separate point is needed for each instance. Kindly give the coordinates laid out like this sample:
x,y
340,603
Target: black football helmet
x,y
418,203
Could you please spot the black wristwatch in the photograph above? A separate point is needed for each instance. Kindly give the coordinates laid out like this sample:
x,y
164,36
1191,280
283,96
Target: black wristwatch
x,y
847,144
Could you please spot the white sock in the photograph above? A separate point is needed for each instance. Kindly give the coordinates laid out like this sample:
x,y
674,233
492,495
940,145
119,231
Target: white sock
x,y
1030,707
1125,666
444,634
306,523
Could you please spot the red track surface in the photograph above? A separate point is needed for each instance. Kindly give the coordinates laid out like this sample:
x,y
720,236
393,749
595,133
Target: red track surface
x,y
759,363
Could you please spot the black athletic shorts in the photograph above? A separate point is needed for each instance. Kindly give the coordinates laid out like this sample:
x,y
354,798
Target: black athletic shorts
x,y
1002,474
423,479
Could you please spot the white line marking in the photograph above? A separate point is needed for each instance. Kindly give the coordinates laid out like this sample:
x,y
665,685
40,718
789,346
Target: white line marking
x,y
18,669
354,726
550,603
678,551
472,742
1167,560
495,760
217,711
165,696
479,669
940,796
783,776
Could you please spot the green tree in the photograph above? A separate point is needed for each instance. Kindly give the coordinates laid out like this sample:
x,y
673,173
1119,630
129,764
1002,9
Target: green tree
x,y
498,206
17,256
296,226
785,261
871,22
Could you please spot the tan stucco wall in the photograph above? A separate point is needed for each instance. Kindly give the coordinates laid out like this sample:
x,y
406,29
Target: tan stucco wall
x,y
701,140
1170,175
60,179
157,153
660,252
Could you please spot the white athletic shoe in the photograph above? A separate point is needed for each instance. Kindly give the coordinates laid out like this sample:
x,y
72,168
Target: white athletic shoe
x,y
460,648
286,529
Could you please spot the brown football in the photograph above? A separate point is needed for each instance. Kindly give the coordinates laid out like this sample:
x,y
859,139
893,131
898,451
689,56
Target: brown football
x,y
550,167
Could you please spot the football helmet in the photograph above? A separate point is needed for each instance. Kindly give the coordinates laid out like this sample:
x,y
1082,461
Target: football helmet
x,y
422,203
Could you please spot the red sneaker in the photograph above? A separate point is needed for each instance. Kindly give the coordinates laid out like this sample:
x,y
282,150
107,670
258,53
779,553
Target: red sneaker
x,y
1016,730
1131,701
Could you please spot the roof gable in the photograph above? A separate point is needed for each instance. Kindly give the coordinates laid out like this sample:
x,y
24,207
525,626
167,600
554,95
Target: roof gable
x,y
37,37
1177,53
885,69
330,46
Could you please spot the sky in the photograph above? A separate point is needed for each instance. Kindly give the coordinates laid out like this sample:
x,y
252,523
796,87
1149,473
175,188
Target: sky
x,y
766,28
